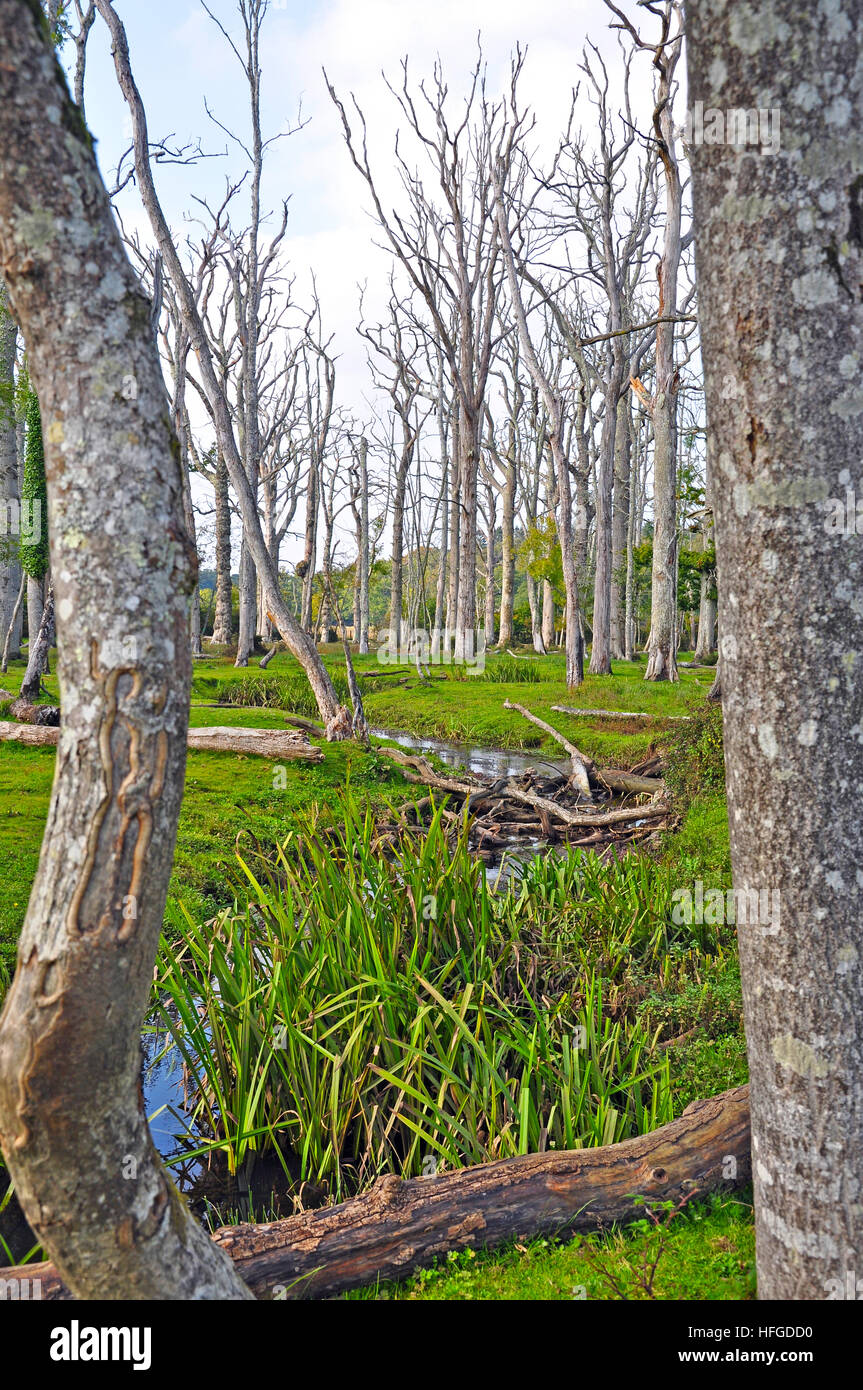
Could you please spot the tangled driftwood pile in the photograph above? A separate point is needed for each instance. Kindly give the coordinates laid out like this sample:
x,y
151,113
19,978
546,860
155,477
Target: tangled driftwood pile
x,y
533,806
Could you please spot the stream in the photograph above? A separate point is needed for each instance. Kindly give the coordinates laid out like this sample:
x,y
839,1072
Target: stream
x,y
495,762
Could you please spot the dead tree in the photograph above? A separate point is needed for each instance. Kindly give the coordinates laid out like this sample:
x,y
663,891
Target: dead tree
x,y
446,242
298,641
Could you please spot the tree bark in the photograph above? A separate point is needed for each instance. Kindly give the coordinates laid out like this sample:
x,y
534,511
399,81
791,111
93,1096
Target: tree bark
x,y
361,618
662,653
223,620
10,520
620,514
507,577
779,255
13,625
38,649
72,1122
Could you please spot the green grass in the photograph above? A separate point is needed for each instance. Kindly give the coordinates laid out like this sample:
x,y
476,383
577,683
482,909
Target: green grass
x,y
709,1253
230,800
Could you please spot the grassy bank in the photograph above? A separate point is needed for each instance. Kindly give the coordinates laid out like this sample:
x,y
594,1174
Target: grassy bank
x,y
706,1252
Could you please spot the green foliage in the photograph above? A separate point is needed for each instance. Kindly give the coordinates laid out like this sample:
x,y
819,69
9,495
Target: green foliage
x,y
540,554
509,670
367,1013
291,692
694,757
325,935
34,555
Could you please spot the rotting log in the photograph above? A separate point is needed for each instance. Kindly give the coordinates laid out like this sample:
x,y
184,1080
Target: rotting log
x,y
26,712
622,783
398,1227
263,743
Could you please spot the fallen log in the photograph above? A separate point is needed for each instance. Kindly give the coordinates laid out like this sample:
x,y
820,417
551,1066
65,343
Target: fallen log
x,y
650,767
620,714
622,783
34,735
297,721
262,743
583,770
27,713
398,1227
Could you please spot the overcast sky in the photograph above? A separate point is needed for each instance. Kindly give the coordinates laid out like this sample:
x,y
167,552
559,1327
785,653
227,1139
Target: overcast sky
x,y
179,57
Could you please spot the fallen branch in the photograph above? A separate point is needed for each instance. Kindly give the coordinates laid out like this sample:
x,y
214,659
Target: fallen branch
x,y
619,714
539,803
398,1227
583,770
577,818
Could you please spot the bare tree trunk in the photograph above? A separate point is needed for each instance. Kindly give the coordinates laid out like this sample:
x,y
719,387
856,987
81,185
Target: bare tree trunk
x,y
792,625
454,577
489,569
620,512
600,652
247,587
535,605
440,588
35,604
507,579
706,643
310,547
361,627
396,570
630,634
547,615
95,1190
223,621
662,654
468,467
14,622
179,417
10,519
38,649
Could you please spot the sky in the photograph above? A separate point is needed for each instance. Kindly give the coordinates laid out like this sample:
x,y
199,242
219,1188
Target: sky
x,y
180,58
